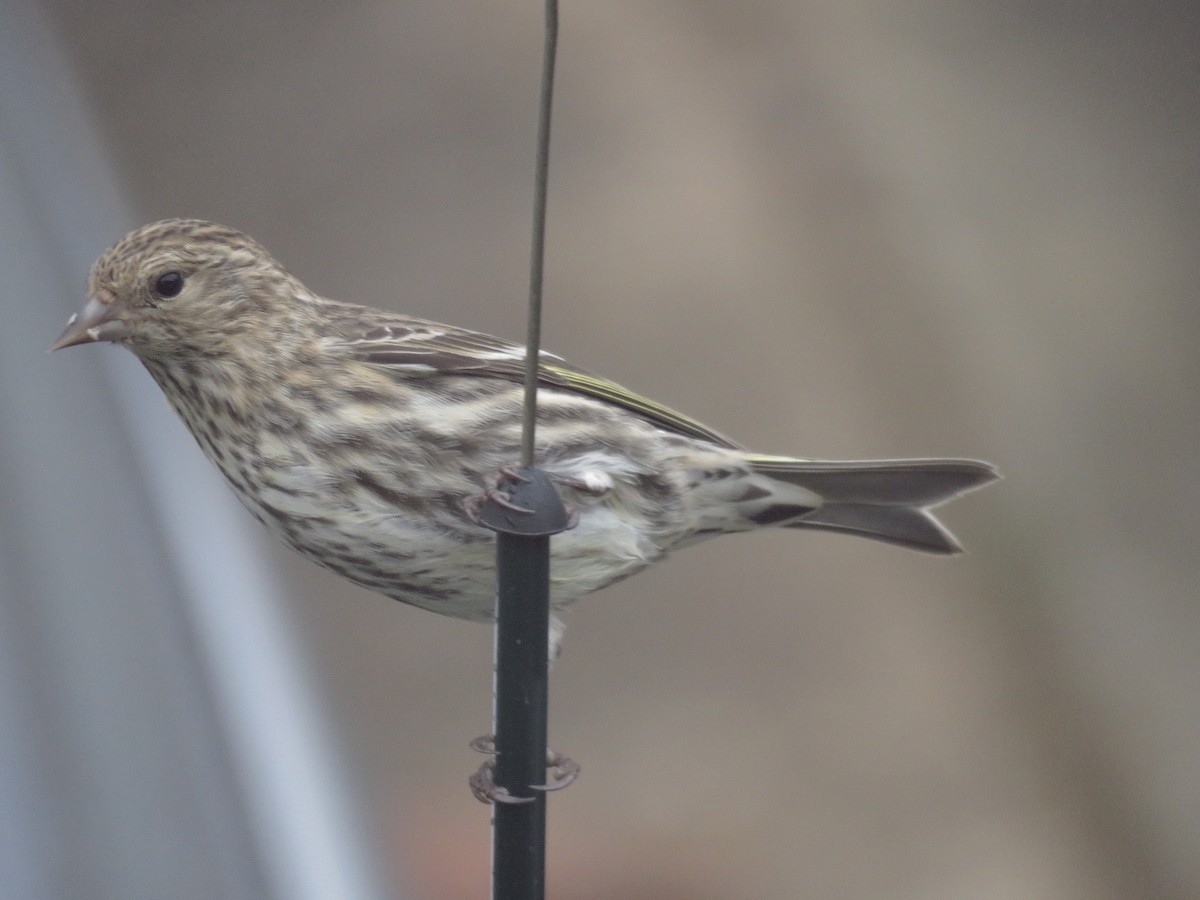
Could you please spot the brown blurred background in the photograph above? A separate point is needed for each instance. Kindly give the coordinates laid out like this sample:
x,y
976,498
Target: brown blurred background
x,y
853,229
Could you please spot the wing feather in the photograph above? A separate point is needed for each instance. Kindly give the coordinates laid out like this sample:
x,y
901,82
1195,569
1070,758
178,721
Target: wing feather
x,y
417,347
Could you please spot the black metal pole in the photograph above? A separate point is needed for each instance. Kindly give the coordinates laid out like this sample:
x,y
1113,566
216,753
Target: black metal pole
x,y
522,625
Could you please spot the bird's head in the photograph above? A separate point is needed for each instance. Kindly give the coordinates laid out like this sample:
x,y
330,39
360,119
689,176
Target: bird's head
x,y
180,288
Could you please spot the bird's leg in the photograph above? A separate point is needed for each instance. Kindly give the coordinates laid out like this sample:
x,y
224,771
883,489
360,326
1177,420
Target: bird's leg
x,y
483,782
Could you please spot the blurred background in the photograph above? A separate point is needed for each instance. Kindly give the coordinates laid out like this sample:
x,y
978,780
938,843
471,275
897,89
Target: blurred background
x,y
837,229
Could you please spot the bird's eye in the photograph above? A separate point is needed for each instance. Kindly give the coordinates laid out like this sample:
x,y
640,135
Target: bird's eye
x,y
168,284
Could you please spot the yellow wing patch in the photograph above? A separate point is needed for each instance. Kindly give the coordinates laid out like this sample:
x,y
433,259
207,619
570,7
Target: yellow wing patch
x,y
611,392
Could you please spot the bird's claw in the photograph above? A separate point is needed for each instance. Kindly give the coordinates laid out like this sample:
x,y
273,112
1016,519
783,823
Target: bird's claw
x,y
565,770
485,790
493,490
483,781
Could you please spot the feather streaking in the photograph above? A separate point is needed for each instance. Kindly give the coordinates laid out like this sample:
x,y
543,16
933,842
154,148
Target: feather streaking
x,y
355,434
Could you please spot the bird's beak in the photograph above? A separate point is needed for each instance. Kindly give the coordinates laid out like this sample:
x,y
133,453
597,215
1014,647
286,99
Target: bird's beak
x,y
97,321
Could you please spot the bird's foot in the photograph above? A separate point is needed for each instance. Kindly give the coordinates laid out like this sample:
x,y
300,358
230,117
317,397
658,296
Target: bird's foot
x,y
498,487
483,782
494,489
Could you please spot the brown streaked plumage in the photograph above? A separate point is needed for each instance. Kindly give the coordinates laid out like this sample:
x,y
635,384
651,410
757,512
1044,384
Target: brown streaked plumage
x,y
355,434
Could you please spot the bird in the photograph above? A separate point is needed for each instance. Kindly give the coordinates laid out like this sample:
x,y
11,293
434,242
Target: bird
x,y
359,437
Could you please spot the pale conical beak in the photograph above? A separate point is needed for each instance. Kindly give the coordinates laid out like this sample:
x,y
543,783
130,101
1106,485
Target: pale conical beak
x,y
97,321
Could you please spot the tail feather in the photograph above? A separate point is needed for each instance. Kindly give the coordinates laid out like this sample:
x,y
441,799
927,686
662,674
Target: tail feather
x,y
908,526
888,500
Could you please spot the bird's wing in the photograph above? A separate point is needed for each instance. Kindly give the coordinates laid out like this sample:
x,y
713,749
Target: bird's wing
x,y
417,347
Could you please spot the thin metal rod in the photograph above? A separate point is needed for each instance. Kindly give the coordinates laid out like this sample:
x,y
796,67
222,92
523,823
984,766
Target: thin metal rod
x,y
537,253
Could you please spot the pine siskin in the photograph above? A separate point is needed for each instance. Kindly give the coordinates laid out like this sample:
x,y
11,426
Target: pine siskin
x,y
355,435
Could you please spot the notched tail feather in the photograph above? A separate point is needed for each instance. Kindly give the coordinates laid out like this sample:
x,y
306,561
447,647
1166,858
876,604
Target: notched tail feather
x,y
907,526
887,500
890,482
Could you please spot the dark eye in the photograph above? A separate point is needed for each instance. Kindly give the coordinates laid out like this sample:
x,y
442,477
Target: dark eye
x,y
168,284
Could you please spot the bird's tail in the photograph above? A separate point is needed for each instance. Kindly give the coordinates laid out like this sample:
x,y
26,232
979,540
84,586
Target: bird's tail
x,y
887,499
